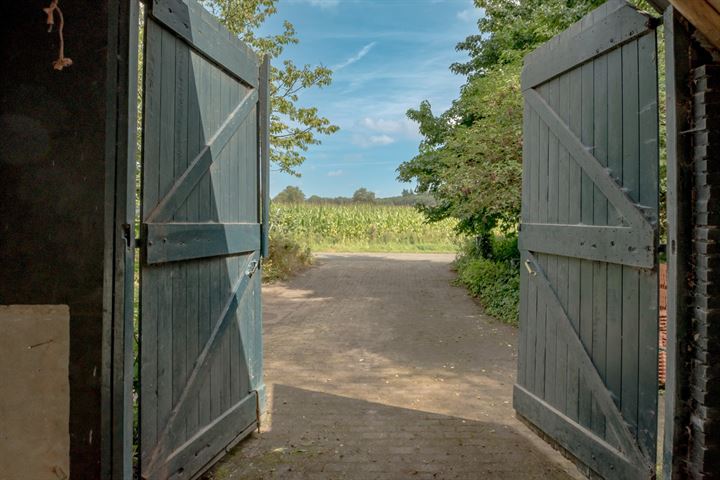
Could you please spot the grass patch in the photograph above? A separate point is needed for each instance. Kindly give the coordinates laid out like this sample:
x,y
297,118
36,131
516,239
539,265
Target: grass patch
x,y
495,279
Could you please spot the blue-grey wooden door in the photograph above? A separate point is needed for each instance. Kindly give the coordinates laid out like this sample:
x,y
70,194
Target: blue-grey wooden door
x,y
588,343
204,198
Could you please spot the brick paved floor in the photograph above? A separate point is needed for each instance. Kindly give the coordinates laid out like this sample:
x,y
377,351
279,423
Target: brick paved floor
x,y
378,368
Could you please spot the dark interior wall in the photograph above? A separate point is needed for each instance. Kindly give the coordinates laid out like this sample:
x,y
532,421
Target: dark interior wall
x,y
692,429
704,445
52,189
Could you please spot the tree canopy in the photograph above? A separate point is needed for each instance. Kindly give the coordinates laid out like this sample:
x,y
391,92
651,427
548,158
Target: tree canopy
x,y
293,127
291,194
470,157
363,195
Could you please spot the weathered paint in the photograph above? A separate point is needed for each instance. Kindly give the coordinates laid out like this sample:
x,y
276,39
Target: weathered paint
x,y
200,345
588,355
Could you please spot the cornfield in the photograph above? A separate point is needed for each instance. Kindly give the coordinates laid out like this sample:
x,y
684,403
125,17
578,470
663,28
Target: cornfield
x,y
361,227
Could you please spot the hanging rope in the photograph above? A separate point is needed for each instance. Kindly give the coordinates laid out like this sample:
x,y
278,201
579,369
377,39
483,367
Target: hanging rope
x,y
61,61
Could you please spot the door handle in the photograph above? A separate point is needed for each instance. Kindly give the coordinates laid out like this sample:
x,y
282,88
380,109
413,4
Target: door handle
x,y
530,270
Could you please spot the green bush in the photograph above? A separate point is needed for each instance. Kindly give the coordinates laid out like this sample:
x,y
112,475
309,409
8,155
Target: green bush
x,y
494,281
287,256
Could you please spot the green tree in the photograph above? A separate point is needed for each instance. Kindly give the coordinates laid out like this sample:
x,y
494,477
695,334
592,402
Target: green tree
x,y
470,157
291,194
293,127
509,29
363,195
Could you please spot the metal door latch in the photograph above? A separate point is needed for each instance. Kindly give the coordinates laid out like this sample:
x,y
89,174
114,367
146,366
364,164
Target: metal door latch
x,y
529,268
252,268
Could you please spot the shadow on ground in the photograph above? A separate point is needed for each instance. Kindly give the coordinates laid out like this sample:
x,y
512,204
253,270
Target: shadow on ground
x,y
341,437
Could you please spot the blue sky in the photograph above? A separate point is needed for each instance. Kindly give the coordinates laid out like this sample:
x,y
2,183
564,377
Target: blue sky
x,y
387,56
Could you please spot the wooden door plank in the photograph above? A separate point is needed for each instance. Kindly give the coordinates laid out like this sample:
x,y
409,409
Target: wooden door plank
x,y
207,360
631,177
193,286
217,273
197,26
552,260
228,160
179,192
235,182
263,145
563,261
166,177
579,354
574,215
648,281
598,455
205,214
179,271
216,436
151,115
524,215
597,174
600,206
541,318
149,277
194,101
611,244
613,378
602,302
587,189
532,290
595,38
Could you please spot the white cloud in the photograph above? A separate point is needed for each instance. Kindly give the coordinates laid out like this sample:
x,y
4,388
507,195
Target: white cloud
x,y
359,55
335,173
367,141
470,14
403,127
321,3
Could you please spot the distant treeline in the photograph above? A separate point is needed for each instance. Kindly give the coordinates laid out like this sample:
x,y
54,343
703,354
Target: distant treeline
x,y
293,194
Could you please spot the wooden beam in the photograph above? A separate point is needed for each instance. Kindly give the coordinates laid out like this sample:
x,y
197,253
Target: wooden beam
x,y
704,15
263,122
168,444
569,49
679,65
184,185
172,242
613,244
199,28
578,354
597,173
604,458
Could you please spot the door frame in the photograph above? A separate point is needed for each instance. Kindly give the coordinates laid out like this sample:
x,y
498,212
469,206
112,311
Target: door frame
x,y
118,282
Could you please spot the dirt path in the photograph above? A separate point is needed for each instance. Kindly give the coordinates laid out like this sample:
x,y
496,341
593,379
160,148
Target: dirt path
x,y
378,368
